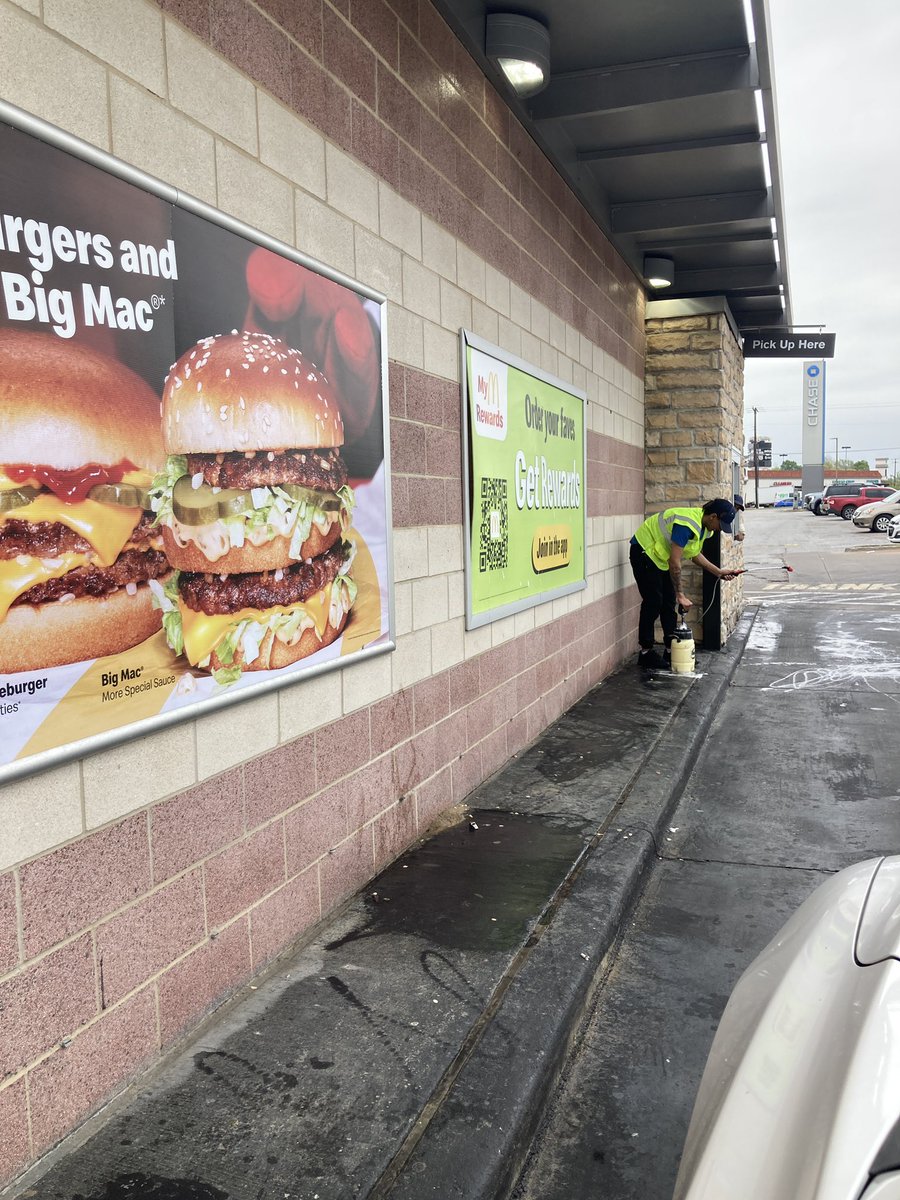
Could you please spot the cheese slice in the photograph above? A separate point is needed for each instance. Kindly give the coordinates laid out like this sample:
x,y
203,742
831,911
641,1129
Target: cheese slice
x,y
106,526
203,633
139,478
17,577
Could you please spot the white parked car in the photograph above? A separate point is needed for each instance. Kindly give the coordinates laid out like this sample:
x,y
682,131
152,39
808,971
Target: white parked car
x,y
800,1099
893,530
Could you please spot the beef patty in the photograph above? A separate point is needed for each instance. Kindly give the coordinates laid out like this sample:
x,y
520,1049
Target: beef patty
x,y
323,470
132,566
219,595
48,539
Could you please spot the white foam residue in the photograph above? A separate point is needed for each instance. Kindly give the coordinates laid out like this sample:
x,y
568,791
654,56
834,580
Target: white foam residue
x,y
765,633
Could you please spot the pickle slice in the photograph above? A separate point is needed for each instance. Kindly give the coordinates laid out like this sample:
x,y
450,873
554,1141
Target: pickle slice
x,y
326,501
16,497
128,494
203,505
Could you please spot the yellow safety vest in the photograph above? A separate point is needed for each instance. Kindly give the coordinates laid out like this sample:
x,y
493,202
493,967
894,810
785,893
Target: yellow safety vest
x,y
655,535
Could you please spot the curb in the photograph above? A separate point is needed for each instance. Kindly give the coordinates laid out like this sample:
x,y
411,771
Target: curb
x,y
476,1143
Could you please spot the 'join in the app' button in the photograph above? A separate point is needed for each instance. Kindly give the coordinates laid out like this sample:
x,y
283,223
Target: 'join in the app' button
x,y
551,547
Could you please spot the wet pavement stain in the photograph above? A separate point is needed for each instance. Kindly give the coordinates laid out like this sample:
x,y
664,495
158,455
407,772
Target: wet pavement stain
x,y
570,757
138,1186
245,1080
477,886
577,744
375,1022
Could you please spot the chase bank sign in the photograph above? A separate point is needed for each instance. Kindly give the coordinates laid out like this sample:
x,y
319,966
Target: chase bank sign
x,y
813,413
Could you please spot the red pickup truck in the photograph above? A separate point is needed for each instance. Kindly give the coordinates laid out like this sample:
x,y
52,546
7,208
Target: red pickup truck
x,y
845,498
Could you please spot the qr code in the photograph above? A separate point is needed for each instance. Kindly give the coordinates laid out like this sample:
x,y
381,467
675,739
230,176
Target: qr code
x,y
493,553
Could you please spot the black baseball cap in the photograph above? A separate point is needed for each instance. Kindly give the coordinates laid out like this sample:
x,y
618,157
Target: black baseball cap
x,y
739,502
724,510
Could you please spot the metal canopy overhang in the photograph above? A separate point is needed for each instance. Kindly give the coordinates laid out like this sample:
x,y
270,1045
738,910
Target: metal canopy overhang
x,y
652,115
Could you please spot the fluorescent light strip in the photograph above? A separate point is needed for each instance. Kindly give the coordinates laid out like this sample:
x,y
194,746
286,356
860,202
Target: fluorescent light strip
x,y
760,114
748,21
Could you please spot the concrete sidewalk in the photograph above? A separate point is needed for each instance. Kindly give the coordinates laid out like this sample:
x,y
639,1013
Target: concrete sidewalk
x,y
407,1050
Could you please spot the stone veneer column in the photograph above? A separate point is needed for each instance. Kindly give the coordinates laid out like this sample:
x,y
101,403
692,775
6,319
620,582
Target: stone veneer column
x,y
694,404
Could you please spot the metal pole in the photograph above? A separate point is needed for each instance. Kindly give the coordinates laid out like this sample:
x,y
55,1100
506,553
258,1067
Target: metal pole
x,y
755,459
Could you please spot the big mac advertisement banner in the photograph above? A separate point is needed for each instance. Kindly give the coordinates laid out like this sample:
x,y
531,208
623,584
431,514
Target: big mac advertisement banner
x,y
524,468
193,488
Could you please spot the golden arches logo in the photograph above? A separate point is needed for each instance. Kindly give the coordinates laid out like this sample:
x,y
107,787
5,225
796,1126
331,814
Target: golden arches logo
x,y
489,389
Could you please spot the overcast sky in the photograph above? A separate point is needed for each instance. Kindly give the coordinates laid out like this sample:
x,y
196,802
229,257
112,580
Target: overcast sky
x,y
837,84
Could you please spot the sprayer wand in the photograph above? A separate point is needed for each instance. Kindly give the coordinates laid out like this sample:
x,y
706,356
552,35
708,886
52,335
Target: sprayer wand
x,y
761,570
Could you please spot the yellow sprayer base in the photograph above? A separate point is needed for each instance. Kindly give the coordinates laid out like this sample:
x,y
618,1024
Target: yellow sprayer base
x,y
683,659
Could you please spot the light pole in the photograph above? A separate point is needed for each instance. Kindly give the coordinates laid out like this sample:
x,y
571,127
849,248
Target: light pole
x,y
755,460
845,450
835,454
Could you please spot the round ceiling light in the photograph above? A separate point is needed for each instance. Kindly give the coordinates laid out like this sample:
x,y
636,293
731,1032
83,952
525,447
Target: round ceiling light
x,y
659,272
521,48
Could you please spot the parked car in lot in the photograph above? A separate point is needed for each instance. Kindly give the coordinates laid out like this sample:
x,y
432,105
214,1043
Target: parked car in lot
x,y
800,1098
843,498
894,531
877,516
813,501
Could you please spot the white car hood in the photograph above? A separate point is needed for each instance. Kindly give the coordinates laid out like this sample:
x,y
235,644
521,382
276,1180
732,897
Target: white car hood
x,y
802,1084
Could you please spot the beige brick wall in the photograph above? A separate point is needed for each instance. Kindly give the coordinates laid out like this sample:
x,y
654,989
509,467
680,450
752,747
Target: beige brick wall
x,y
695,415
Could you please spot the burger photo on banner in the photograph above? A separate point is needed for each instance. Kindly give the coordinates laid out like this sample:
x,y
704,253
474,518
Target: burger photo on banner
x,y
272,501
79,545
253,507
194,494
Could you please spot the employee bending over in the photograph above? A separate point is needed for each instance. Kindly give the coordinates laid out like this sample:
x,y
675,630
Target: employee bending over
x,y
658,549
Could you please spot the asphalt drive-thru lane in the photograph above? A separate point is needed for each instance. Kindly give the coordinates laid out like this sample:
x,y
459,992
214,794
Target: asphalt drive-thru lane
x,y
798,777
797,771
617,1124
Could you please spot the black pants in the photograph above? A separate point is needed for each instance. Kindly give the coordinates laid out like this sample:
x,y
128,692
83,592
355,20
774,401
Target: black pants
x,y
657,598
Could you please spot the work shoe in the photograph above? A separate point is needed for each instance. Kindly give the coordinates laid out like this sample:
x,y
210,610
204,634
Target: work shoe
x,y
649,660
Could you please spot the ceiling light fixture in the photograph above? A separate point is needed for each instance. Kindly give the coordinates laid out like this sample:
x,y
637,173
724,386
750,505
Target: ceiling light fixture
x,y
520,46
659,272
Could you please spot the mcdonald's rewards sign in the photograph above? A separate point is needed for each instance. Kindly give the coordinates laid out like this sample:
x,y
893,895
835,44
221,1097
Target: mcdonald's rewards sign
x,y
491,409
528,492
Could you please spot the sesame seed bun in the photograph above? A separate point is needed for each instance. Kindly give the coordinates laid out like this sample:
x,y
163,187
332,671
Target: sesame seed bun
x,y
34,637
63,405
243,392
